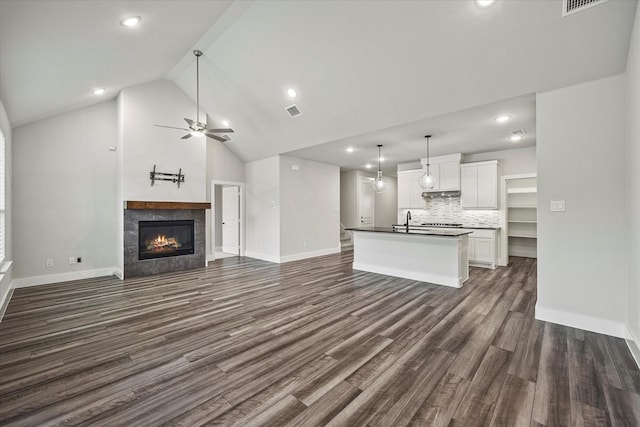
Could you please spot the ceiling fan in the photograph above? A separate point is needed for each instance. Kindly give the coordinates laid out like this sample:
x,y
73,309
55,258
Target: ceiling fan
x,y
197,128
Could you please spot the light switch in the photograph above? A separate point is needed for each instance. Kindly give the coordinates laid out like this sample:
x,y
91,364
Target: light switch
x,y
557,206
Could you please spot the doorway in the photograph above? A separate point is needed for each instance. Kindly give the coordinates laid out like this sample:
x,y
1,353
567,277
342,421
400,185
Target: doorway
x,y
227,219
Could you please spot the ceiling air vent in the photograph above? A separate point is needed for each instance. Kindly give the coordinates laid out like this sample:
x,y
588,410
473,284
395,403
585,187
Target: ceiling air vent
x,y
569,7
293,111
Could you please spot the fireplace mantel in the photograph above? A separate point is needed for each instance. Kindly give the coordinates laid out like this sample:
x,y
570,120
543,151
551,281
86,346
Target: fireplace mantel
x,y
135,204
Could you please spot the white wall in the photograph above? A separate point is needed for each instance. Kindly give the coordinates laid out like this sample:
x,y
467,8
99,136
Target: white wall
x,y
222,164
349,198
512,162
263,209
583,253
309,208
143,144
6,278
633,71
65,190
386,204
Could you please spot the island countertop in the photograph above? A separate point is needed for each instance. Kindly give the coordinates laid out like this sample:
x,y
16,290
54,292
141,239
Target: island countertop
x,y
448,232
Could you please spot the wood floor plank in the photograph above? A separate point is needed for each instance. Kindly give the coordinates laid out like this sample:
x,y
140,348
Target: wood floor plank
x,y
309,342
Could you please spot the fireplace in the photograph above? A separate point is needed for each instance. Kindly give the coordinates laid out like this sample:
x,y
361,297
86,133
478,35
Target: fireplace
x,y
159,239
147,252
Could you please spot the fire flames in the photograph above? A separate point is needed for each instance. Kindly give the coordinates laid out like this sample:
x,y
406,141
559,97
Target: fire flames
x,y
163,244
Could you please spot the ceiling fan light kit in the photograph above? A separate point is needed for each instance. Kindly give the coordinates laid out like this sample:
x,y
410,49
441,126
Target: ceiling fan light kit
x,y
196,128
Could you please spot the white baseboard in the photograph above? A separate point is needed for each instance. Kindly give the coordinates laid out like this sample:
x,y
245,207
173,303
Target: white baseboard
x,y
581,321
6,286
118,273
5,302
293,257
312,254
633,342
25,282
264,257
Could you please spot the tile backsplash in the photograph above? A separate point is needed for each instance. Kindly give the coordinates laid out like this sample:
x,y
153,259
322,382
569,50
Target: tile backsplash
x,y
447,209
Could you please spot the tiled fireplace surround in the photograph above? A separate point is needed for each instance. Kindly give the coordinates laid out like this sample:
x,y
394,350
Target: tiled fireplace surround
x,y
162,211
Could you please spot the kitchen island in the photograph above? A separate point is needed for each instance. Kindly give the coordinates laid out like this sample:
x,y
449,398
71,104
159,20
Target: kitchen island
x,y
434,255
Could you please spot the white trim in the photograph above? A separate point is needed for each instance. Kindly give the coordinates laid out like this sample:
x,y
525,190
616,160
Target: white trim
x,y
407,274
312,254
293,257
633,342
6,279
5,303
581,321
118,273
243,216
264,257
25,282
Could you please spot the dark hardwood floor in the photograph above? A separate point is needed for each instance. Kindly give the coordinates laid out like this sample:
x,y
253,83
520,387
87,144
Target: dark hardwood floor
x,y
246,342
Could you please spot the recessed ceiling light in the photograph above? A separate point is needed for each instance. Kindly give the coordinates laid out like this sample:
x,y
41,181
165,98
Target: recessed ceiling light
x,y
350,149
516,135
291,92
502,119
368,166
484,3
98,91
225,123
131,21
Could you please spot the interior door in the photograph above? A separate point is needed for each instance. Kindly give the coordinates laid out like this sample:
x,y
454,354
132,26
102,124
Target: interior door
x,y
231,220
365,203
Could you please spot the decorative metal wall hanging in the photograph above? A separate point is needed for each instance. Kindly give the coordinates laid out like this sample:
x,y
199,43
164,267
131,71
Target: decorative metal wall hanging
x,y
176,178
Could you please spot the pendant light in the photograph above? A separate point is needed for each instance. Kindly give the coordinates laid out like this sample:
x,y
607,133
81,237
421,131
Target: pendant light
x,y
379,186
427,181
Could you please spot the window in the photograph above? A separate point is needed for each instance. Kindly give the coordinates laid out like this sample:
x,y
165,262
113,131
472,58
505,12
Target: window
x,y
2,204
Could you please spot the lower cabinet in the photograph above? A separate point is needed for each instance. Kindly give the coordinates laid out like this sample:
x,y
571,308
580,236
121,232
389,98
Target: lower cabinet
x,y
482,248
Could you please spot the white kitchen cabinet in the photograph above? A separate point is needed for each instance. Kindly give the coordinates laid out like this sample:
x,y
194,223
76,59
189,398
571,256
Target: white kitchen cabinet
x,y
446,172
482,248
409,191
479,185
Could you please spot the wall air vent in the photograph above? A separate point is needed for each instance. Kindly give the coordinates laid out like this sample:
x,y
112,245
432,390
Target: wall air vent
x,y
293,111
569,7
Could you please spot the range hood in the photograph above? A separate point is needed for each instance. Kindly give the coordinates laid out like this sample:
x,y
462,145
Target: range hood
x,y
440,194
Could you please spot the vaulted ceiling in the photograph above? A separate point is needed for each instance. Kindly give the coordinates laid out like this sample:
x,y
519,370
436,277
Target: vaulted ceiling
x,y
366,72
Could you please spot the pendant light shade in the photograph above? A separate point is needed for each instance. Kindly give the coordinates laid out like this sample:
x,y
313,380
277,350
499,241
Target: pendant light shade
x,y
427,181
379,186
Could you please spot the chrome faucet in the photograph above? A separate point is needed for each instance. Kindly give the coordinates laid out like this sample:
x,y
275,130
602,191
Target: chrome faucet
x,y
408,218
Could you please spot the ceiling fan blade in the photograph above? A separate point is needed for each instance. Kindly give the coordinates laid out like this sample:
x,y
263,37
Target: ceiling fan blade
x,y
225,130
170,127
187,136
189,121
218,138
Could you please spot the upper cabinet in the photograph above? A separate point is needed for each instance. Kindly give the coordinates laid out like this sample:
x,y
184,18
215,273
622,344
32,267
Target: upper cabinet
x,y
446,172
479,185
409,191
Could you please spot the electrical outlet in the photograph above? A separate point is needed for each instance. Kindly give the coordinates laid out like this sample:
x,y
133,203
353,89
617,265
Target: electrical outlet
x,y
49,263
304,244
557,206
72,260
